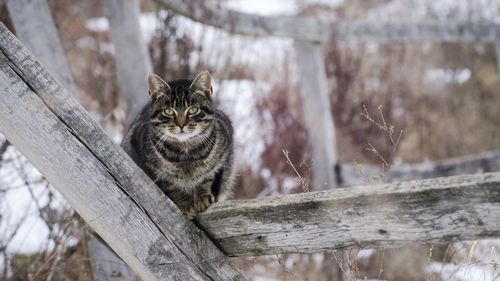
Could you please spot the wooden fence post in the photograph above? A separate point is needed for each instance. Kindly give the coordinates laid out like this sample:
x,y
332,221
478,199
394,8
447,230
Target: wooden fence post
x,y
132,60
317,113
35,27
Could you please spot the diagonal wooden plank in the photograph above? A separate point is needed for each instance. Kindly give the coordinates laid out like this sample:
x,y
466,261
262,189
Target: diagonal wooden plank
x,y
435,210
36,29
103,184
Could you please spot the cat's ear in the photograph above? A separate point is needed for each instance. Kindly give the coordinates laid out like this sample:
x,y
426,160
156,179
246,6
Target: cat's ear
x,y
157,86
202,84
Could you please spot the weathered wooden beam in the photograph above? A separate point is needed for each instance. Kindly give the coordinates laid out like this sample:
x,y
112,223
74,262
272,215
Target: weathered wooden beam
x,y
431,211
484,162
310,29
35,27
437,32
306,29
97,178
132,58
497,47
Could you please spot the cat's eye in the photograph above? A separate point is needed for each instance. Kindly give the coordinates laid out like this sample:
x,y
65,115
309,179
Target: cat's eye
x,y
169,112
193,110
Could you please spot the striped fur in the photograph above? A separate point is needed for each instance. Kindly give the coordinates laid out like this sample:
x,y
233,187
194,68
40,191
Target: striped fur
x,y
195,167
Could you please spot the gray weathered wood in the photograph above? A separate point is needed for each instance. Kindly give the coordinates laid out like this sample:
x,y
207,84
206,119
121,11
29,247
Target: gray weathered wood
x,y
317,113
309,29
132,59
393,32
477,163
435,210
35,28
497,47
106,265
484,162
97,178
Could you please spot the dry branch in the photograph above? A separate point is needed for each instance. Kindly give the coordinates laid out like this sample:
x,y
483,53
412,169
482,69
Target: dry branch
x,y
97,178
436,210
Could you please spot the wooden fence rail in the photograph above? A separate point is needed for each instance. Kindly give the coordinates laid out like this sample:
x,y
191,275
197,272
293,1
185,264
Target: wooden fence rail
x,y
313,30
434,210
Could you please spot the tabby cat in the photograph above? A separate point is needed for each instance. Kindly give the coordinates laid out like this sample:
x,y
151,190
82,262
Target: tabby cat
x,y
184,143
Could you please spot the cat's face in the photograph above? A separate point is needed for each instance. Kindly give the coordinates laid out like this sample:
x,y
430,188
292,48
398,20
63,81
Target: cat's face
x,y
182,110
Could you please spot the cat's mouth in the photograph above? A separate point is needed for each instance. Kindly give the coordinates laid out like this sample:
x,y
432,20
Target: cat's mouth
x,y
183,136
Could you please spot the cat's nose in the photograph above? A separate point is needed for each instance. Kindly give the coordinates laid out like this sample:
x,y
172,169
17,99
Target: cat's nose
x,y
181,121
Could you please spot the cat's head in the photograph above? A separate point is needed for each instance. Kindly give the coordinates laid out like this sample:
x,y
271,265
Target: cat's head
x,y
181,110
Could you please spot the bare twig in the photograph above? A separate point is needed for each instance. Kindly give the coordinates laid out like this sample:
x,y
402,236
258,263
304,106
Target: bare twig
x,y
372,149
305,186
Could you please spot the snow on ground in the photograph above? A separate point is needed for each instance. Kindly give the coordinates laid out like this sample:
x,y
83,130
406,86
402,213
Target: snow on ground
x,y
447,75
275,7
480,260
435,79
20,204
266,53
237,98
264,7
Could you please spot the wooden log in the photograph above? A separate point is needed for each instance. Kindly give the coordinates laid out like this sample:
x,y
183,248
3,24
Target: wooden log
x,y
132,58
97,178
35,28
430,211
317,115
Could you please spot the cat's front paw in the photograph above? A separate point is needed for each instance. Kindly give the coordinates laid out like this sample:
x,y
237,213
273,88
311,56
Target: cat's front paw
x,y
187,208
189,212
202,200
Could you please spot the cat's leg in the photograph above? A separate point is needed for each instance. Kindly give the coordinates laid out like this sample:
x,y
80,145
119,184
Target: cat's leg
x,y
202,196
184,201
227,176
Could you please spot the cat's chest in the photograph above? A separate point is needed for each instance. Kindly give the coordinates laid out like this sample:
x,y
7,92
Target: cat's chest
x,y
183,165
186,176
